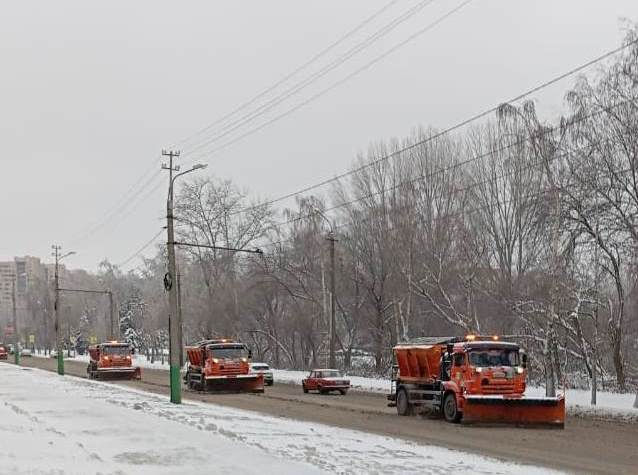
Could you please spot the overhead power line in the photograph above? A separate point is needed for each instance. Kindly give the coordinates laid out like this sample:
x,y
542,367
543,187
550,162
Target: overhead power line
x,y
126,200
141,249
334,85
289,75
454,166
444,131
129,197
312,78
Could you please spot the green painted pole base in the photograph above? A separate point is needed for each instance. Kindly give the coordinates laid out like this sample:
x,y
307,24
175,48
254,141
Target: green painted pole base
x,y
176,386
17,355
60,363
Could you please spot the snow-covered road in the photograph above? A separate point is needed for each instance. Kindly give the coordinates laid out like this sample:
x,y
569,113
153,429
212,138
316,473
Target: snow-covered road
x,y
69,425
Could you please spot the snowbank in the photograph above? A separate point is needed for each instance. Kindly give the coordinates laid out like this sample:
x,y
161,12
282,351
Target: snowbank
x,y
82,426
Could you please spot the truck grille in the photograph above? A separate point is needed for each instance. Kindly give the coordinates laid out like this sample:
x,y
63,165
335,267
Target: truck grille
x,y
119,363
496,387
229,369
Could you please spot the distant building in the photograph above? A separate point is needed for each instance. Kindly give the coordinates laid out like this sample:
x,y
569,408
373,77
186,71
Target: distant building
x,y
23,272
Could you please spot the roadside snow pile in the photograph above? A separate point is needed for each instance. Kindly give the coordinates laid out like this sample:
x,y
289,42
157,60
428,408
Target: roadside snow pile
x,y
81,426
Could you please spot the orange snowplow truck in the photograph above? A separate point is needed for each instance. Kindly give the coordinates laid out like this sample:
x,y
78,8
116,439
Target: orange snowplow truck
x,y
472,379
112,360
221,365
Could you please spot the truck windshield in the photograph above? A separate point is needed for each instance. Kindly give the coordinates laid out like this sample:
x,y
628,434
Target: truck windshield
x,y
232,353
116,350
494,357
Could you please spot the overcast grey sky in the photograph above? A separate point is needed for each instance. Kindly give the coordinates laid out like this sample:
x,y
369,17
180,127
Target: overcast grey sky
x,y
91,92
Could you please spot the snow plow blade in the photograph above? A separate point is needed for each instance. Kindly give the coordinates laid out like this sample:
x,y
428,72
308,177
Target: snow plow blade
x,y
534,411
244,383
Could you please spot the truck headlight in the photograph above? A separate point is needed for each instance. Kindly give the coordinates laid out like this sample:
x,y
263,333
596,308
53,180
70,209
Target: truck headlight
x,y
479,369
520,370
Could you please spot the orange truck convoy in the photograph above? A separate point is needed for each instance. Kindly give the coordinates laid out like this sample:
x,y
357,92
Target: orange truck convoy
x,y
469,379
221,365
112,360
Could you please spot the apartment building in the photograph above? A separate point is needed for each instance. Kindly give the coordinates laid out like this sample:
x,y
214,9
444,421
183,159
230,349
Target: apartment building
x,y
22,272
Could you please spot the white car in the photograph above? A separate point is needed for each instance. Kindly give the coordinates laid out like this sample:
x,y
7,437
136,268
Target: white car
x,y
26,352
263,368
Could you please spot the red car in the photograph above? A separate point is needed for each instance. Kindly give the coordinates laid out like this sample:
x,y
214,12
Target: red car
x,y
324,381
3,352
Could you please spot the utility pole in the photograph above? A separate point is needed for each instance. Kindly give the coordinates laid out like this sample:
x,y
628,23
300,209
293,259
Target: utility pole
x,y
333,300
180,318
174,315
56,306
114,331
56,309
16,338
174,325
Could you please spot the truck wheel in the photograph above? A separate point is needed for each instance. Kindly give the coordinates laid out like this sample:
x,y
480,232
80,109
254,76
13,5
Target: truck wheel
x,y
305,389
343,391
404,408
450,409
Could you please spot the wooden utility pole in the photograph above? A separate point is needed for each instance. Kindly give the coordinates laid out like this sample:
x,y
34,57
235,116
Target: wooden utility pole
x,y
333,300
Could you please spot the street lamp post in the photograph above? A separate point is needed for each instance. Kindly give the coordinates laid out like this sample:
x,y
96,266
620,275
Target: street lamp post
x,y
56,307
174,323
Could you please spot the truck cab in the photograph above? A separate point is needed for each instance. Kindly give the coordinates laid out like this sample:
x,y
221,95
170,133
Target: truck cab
x,y
488,367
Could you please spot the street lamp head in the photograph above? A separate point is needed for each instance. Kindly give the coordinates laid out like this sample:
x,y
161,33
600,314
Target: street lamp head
x,y
199,166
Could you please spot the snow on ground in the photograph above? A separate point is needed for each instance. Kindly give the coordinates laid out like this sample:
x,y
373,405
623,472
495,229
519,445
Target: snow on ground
x,y
53,425
68,425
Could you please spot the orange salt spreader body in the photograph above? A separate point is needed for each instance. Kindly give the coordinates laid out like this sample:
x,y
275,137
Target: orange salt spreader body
x,y
221,365
471,379
112,359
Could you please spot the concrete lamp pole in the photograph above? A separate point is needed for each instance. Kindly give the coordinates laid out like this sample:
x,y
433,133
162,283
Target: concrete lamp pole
x,y
174,323
56,306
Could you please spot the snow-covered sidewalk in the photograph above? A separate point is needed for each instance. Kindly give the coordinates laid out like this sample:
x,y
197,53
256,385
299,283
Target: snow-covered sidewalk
x,y
68,425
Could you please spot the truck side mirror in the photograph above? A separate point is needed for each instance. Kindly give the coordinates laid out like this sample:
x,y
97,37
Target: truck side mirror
x,y
524,360
250,354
